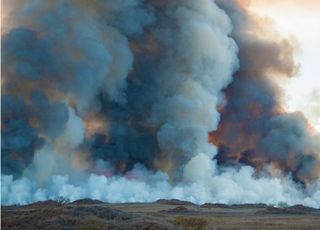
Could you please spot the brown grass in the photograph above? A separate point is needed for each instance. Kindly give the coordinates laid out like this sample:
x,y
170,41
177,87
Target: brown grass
x,y
93,223
155,216
196,223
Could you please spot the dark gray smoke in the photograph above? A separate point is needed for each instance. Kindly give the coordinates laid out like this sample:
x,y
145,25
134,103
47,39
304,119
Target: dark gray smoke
x,y
254,128
64,58
114,100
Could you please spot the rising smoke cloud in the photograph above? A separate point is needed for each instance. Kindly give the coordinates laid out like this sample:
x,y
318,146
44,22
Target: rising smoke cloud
x,y
254,128
114,100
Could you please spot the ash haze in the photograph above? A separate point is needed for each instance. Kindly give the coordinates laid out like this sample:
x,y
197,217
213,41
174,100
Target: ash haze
x,y
133,101
301,20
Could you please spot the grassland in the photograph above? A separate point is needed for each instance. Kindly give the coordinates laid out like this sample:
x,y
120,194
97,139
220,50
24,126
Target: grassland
x,y
163,214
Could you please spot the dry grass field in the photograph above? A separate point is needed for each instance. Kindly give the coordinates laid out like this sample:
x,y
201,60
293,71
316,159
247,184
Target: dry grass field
x,y
163,214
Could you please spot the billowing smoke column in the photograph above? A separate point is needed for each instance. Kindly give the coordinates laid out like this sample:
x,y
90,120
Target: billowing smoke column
x,y
254,129
114,100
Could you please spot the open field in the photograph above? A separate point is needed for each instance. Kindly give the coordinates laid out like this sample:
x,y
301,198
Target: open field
x,y
163,214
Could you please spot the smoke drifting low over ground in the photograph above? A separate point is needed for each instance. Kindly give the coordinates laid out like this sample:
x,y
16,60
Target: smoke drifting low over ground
x,y
137,100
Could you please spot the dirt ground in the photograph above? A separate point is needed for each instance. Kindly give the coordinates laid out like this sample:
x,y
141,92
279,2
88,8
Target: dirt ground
x,y
163,214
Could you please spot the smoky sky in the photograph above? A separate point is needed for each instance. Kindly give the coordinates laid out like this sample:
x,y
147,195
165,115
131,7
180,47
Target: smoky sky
x,y
254,128
106,87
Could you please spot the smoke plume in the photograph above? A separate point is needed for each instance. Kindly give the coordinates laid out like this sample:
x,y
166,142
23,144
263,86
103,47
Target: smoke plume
x,y
254,128
128,101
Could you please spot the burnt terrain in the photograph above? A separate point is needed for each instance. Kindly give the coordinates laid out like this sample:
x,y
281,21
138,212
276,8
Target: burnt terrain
x,y
163,214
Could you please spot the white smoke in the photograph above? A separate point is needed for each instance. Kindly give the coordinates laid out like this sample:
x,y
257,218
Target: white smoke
x,y
230,186
197,62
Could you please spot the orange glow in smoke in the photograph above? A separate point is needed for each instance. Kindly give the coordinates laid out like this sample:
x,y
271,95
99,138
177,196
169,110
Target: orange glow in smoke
x,y
96,123
81,160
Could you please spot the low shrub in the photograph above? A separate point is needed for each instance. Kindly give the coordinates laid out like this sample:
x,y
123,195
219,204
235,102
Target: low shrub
x,y
283,204
62,200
